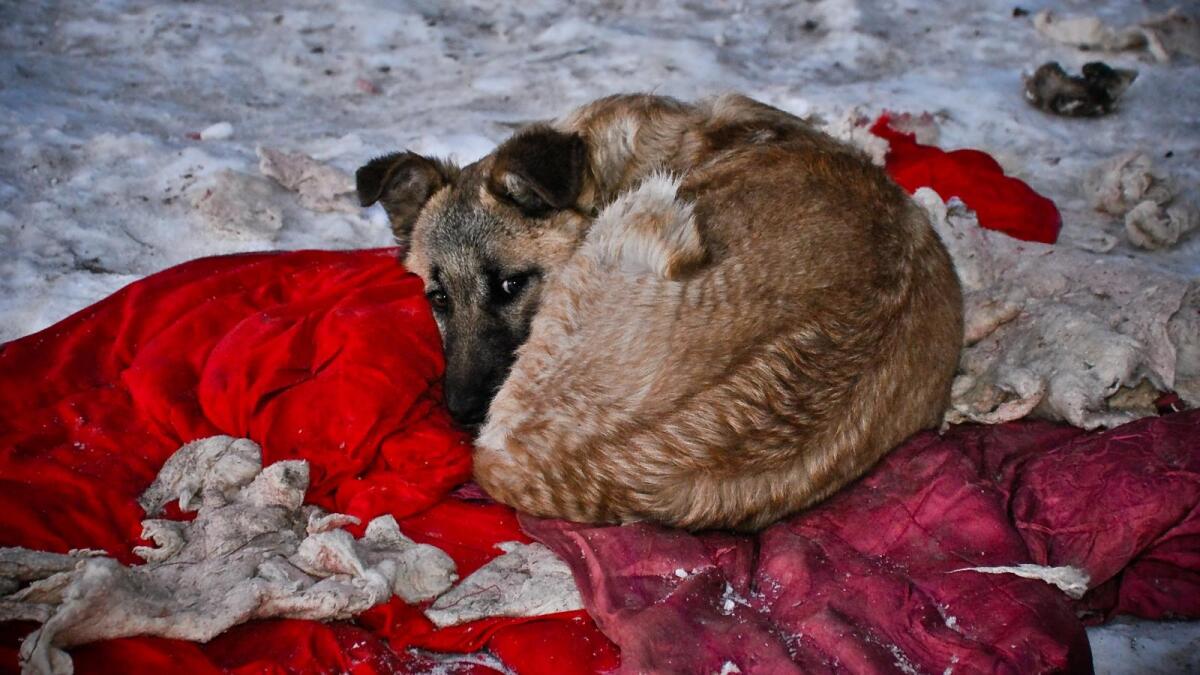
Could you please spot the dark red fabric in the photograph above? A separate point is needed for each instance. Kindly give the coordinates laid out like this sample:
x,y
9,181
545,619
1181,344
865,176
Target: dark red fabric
x,y
867,581
332,357
1001,203
1123,505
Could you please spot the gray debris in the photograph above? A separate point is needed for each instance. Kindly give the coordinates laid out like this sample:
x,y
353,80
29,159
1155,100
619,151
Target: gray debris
x,y
1092,94
253,551
1056,332
528,580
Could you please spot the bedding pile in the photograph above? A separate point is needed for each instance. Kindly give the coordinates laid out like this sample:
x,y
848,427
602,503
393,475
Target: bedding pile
x,y
986,548
301,352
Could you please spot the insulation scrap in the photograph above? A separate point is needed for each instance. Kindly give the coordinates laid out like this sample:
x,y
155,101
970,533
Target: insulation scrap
x,y
528,580
218,132
1171,34
1152,226
1126,181
319,187
923,126
1070,580
1184,331
1164,36
253,551
1056,332
1155,214
853,126
1087,32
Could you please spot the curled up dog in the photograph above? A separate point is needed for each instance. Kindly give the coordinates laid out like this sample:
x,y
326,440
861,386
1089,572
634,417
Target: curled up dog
x,y
703,315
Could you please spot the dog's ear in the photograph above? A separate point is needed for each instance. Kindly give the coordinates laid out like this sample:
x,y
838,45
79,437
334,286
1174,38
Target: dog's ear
x,y
402,182
540,170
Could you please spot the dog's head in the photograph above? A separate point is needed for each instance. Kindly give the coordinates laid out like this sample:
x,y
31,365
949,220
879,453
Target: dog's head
x,y
484,238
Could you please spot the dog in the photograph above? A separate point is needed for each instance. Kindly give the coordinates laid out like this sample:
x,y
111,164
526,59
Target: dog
x,y
705,315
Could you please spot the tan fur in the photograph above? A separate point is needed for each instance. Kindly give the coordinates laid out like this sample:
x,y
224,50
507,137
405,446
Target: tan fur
x,y
756,315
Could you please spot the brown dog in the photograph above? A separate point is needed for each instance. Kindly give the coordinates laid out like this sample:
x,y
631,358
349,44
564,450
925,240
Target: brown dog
x,y
722,314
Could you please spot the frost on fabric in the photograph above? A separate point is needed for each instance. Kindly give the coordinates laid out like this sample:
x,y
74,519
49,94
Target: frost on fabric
x,y
1061,333
1164,36
528,580
252,552
319,187
1155,213
1069,580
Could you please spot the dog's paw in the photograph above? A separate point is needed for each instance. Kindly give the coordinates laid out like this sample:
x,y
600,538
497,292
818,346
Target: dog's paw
x,y
649,230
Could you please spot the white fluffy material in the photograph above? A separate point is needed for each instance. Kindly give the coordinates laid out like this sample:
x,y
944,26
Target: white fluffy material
x,y
1070,580
1059,332
528,580
647,230
253,551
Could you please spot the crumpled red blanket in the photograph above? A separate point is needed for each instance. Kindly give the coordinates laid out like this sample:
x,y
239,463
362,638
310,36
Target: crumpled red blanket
x,y
326,356
1002,203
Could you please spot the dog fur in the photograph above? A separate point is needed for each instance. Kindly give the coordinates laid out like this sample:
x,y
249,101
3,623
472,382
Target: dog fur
x,y
732,315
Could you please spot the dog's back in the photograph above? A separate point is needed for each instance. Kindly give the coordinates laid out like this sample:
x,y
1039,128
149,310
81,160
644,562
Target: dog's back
x,y
745,331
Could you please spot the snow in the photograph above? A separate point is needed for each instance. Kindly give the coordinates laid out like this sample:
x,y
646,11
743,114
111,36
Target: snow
x,y
1126,646
116,118
221,131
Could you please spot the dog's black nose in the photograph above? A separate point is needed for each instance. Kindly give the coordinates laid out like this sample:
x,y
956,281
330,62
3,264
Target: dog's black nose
x,y
467,408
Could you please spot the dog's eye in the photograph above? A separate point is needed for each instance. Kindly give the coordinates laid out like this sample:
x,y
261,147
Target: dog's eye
x,y
438,300
511,286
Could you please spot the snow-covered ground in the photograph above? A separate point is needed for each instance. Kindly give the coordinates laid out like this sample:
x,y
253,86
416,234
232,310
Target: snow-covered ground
x,y
101,105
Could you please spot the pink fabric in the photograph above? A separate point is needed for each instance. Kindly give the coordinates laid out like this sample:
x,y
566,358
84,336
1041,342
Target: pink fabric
x,y
868,581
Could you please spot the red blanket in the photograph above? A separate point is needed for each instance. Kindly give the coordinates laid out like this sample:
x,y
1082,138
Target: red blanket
x,y
1002,203
329,357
